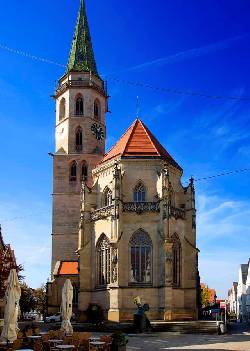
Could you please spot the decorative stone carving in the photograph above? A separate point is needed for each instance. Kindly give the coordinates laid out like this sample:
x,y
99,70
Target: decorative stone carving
x,y
169,263
141,207
103,212
114,260
177,213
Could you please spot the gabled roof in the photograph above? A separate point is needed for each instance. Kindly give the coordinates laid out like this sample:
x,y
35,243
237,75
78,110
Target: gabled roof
x,y
138,141
81,58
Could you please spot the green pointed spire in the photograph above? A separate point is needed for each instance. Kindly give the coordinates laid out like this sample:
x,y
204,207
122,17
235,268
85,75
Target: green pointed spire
x,y
81,58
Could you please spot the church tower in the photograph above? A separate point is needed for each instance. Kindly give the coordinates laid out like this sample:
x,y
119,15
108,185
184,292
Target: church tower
x,y
81,105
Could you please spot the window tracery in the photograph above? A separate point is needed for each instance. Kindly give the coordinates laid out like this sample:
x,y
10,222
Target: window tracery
x,y
140,258
107,197
103,261
79,139
73,171
79,106
84,171
140,193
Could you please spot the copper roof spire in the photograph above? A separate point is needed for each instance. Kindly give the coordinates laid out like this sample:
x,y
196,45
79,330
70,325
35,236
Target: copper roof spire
x,y
81,58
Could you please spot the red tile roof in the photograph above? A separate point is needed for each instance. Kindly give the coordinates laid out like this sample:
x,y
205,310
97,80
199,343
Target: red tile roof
x,y
68,268
139,141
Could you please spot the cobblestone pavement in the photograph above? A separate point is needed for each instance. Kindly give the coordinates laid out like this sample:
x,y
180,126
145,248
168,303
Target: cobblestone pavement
x,y
237,339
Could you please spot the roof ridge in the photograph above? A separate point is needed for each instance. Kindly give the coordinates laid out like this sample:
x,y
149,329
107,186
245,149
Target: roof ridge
x,y
131,127
149,136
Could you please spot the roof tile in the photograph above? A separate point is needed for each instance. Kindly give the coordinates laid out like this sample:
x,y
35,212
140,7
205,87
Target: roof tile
x,y
138,141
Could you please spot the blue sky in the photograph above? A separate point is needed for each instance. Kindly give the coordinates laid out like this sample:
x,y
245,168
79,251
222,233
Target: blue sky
x,y
187,45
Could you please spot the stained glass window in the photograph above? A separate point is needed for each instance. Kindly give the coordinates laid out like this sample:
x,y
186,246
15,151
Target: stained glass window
x,y
103,261
139,193
140,258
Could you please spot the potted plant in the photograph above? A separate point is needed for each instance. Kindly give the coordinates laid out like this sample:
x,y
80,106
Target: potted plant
x,y
119,342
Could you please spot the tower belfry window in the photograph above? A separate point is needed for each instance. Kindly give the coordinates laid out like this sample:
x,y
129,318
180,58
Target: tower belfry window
x,y
79,106
73,172
84,171
97,109
79,139
62,109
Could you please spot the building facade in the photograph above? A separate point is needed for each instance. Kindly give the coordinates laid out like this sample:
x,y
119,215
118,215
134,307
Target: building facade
x,y
232,298
123,217
241,292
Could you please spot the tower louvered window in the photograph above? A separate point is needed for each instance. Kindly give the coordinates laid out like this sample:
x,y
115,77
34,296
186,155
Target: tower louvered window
x,y
79,139
79,106
84,171
97,109
73,172
62,109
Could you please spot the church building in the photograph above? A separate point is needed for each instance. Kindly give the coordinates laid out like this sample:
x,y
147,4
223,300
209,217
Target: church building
x,y
123,224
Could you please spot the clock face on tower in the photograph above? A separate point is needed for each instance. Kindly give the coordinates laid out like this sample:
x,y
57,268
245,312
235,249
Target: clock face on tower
x,y
97,131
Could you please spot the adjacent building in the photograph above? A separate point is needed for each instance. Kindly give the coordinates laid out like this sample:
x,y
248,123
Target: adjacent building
x,y
123,224
232,299
241,292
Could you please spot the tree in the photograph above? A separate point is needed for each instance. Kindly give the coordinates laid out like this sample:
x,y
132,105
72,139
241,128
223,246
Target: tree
x,y
27,300
41,300
8,262
205,296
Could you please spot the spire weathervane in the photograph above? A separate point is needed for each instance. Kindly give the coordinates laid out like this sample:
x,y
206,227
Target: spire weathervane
x,y
137,107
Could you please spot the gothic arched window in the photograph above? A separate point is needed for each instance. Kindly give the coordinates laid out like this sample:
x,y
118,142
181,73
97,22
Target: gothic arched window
x,y
79,139
176,260
97,109
79,105
84,170
140,193
107,197
141,248
62,109
103,261
73,171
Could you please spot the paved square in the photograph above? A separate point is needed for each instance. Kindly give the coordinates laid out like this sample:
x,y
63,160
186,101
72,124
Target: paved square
x,y
237,340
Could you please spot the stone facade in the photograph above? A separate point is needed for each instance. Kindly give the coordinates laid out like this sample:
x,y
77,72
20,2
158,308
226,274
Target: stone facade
x,y
167,217
66,189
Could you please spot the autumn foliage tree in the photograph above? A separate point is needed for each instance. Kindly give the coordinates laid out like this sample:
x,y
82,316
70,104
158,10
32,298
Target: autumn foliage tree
x,y
7,262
